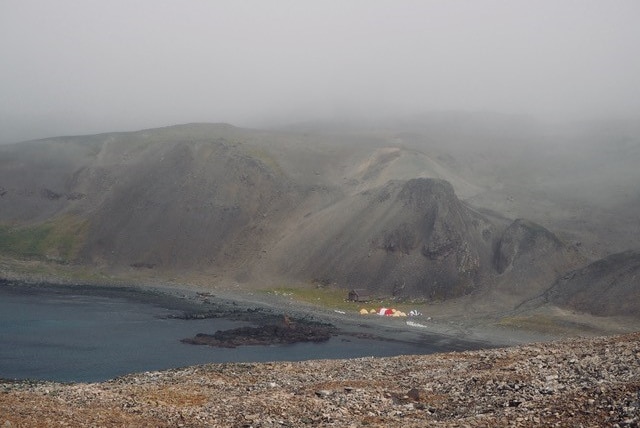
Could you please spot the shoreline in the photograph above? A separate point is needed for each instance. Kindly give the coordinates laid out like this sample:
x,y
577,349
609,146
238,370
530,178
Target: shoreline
x,y
196,299
572,382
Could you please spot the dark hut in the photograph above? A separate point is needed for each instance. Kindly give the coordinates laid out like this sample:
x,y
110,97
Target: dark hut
x,y
359,295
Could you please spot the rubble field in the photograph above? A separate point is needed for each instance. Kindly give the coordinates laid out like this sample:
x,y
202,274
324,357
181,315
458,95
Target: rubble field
x,y
576,382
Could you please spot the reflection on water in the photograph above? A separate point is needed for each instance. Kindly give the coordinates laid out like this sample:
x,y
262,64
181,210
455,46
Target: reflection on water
x,y
79,337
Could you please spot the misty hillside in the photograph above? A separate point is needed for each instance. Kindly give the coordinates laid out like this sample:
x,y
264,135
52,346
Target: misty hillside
x,y
435,208
610,286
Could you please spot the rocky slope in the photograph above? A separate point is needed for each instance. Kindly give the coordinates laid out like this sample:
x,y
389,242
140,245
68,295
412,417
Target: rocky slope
x,y
580,382
381,210
408,239
607,287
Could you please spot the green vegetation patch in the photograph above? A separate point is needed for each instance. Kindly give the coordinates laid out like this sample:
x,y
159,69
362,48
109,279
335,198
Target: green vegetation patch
x,y
59,239
321,296
545,324
334,298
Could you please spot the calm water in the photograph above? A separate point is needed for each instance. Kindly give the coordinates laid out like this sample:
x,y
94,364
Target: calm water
x,y
67,336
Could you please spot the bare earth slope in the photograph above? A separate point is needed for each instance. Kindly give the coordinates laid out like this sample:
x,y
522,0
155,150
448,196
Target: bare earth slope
x,y
580,382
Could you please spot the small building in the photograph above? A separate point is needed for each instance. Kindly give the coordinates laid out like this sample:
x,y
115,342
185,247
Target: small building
x,y
359,295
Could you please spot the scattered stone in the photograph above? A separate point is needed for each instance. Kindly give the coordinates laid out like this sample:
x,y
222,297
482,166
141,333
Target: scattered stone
x,y
470,389
417,394
514,403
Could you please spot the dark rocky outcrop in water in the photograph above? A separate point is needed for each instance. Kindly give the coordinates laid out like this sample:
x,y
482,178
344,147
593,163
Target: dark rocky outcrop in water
x,y
270,334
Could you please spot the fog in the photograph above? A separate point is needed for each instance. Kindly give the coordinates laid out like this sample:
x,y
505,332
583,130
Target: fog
x,y
75,67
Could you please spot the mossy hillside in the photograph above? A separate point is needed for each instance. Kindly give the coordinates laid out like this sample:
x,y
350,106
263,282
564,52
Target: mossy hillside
x,y
44,271
59,239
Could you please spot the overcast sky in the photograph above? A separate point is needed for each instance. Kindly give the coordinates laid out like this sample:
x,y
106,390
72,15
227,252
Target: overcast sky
x,y
75,67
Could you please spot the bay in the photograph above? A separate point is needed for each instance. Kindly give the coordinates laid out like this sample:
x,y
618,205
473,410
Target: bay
x,y
90,335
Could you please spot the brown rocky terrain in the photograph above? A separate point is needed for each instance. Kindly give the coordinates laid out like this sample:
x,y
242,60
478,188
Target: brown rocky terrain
x,y
579,382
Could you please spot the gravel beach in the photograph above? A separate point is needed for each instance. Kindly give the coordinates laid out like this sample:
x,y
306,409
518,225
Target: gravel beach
x,y
578,382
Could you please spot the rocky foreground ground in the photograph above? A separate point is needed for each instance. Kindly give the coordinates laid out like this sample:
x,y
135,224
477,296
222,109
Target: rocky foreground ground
x,y
578,382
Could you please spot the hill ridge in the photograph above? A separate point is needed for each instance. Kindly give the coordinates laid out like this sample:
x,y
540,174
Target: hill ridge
x,y
257,208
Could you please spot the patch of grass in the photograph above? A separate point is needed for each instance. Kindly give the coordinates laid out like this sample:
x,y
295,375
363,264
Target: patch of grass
x,y
333,298
544,324
59,239
321,296
46,271
538,323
